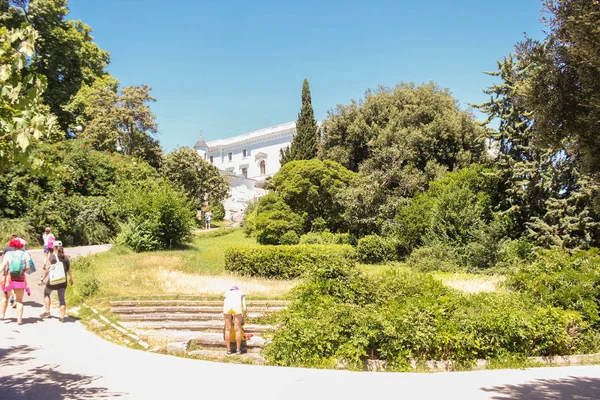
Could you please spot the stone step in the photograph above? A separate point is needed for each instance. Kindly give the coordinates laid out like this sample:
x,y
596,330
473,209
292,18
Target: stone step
x,y
213,339
250,303
179,316
186,309
220,355
211,325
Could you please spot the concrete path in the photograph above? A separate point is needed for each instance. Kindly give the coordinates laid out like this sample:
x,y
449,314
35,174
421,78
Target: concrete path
x,y
50,360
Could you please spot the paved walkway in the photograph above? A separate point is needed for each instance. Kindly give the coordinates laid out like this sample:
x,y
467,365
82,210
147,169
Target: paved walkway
x,y
50,360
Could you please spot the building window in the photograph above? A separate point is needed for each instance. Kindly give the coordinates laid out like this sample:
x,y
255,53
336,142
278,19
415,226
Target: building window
x,y
211,160
244,153
263,169
245,172
229,156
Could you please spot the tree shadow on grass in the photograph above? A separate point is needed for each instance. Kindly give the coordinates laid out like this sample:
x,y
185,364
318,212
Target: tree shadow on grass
x,y
549,389
45,382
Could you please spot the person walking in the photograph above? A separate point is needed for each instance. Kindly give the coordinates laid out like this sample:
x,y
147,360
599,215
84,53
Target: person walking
x,y
57,259
14,265
48,238
234,310
208,216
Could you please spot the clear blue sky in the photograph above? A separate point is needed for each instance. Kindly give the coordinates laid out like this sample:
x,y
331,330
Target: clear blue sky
x,y
229,67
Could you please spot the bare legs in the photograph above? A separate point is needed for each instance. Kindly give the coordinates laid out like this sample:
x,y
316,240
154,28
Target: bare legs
x,y
19,300
3,305
237,321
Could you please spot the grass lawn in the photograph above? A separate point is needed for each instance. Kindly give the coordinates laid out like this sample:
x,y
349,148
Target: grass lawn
x,y
465,282
197,270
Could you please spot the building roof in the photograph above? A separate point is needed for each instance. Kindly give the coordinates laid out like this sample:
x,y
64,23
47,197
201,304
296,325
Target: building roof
x,y
251,135
200,143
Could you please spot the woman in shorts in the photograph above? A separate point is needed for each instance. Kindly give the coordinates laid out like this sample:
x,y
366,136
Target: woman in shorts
x,y
58,255
16,283
234,308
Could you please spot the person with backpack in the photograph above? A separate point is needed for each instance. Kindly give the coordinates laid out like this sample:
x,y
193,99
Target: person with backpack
x,y
14,265
59,268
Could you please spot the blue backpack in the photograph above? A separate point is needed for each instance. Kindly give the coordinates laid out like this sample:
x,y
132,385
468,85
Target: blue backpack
x,y
17,263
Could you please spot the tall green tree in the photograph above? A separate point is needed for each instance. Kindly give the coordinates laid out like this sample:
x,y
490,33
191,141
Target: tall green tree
x,y
562,85
114,119
395,134
305,144
65,52
201,180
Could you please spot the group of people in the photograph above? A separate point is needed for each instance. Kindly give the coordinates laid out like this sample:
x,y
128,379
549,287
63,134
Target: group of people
x,y
17,264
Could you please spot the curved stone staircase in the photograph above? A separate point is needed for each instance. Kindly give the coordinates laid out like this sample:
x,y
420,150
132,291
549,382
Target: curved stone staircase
x,y
193,326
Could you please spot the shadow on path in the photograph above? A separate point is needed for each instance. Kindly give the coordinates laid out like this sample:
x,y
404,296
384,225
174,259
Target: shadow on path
x,y
33,304
45,382
549,389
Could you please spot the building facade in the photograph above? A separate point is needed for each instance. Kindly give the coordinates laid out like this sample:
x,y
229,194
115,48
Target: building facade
x,y
246,160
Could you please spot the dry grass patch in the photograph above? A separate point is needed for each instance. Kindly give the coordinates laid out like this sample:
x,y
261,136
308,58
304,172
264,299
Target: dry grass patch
x,y
175,282
465,282
470,283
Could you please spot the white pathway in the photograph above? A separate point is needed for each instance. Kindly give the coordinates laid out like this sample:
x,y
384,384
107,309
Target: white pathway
x,y
50,360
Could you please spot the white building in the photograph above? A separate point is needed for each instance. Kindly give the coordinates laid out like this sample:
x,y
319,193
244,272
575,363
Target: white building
x,y
246,160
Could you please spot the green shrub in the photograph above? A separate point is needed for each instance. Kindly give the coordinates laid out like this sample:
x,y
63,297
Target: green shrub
x,y
313,238
286,262
344,238
400,317
557,278
271,219
434,257
217,233
319,225
139,235
159,216
88,287
373,249
77,219
289,238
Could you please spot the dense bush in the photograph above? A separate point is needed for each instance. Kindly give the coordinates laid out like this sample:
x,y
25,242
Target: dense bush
x,y
139,235
159,216
328,238
340,315
76,219
310,188
373,249
271,219
289,238
434,257
286,262
560,279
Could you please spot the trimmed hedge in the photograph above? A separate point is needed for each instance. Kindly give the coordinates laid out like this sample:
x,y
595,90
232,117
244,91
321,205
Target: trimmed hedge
x,y
286,262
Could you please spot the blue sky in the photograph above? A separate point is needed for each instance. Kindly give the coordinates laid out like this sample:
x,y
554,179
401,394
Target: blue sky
x,y
229,67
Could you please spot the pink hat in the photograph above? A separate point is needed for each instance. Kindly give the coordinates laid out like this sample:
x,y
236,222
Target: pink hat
x,y
48,229
234,288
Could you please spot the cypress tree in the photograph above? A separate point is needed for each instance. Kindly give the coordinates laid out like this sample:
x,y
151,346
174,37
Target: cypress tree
x,y
305,143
